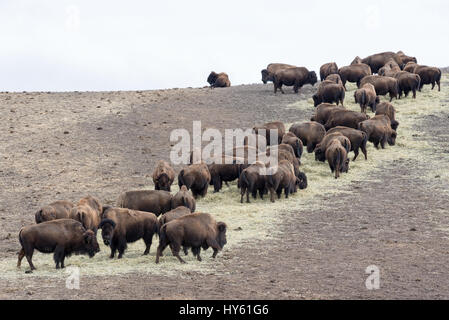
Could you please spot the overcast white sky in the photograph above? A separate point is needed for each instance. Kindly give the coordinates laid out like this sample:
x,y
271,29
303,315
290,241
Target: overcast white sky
x,y
58,45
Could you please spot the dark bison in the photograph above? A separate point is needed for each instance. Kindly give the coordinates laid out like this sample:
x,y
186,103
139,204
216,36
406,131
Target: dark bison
x,y
253,179
383,85
311,133
296,77
334,78
387,109
155,201
62,236
366,96
345,118
354,73
218,80
183,198
379,131
265,131
429,75
329,92
195,177
323,111
55,210
196,230
337,157
225,169
163,176
358,139
282,154
291,139
121,226
268,73
377,61
408,82
320,150
281,177
327,69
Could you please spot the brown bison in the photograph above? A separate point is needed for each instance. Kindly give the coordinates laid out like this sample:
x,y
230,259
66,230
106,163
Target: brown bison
x,y
268,73
62,236
296,77
121,226
196,230
379,131
163,176
377,61
357,60
173,214
265,131
323,111
155,201
345,118
253,179
358,139
195,177
329,92
291,139
281,177
366,97
183,198
429,75
218,80
55,210
334,78
405,58
386,108
337,158
327,69
225,169
320,150
410,66
89,218
408,82
281,154
310,133
256,141
383,85
354,73
389,69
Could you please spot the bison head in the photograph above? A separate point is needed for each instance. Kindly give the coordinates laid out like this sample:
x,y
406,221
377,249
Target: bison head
x,y
212,78
345,167
265,76
107,227
90,243
163,182
319,154
316,100
301,180
45,214
312,78
394,125
392,138
221,236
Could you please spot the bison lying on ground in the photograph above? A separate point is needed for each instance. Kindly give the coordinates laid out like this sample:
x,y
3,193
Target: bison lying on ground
x,y
345,118
121,226
183,198
429,75
55,210
383,85
379,131
296,77
337,158
328,69
253,179
408,82
387,109
354,73
366,97
195,177
196,230
329,92
268,73
358,139
163,176
218,80
311,133
62,236
155,201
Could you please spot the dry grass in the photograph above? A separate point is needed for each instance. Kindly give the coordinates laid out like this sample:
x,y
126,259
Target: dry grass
x,y
259,219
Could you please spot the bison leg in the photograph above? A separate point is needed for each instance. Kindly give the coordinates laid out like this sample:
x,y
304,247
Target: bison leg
x,y
148,241
21,255
29,256
279,192
310,147
286,190
160,249
414,93
175,250
121,248
186,250
58,256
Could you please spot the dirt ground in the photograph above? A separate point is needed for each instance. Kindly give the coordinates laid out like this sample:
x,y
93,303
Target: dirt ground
x,y
66,145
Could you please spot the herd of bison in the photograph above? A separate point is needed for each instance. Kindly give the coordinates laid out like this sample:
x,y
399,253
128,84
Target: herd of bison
x,y
64,227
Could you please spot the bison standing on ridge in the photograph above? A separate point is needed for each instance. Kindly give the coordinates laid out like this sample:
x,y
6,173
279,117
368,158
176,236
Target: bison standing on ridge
x,y
196,230
163,176
354,73
329,92
429,75
155,201
377,61
366,96
55,210
311,133
358,139
296,77
183,198
268,73
218,80
328,69
121,226
62,236
383,85
195,177
405,58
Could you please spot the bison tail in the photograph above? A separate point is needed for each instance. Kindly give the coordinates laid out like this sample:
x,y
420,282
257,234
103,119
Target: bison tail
x,y
156,227
244,179
20,237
